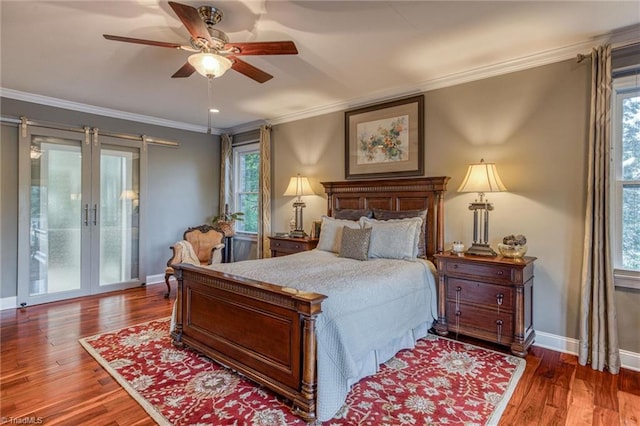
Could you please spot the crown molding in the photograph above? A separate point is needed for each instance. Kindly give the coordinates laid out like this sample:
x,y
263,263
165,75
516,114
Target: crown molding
x,y
617,38
106,112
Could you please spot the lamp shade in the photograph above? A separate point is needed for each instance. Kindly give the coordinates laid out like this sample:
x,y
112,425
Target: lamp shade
x,y
128,194
209,64
298,186
482,177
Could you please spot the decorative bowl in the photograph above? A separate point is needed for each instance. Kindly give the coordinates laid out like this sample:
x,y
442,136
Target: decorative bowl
x,y
457,247
512,251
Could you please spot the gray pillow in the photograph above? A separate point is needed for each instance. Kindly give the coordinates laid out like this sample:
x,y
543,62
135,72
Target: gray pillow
x,y
380,214
393,238
352,214
355,243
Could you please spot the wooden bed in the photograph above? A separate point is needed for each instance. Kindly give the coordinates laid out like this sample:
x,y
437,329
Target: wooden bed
x,y
267,332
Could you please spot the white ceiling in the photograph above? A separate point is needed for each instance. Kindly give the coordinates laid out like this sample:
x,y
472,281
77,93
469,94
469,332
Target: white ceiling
x,y
350,52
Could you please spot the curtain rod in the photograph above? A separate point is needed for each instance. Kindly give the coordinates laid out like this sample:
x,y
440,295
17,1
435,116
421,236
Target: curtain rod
x,y
50,125
582,56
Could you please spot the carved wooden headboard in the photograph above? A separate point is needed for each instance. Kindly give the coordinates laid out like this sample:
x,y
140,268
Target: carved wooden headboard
x,y
395,194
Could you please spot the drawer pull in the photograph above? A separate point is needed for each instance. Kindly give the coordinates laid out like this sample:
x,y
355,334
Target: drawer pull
x,y
500,272
499,329
499,299
455,266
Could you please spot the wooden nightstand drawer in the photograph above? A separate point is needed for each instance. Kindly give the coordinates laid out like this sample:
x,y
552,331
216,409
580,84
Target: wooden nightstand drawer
x,y
480,293
499,326
499,273
282,246
292,246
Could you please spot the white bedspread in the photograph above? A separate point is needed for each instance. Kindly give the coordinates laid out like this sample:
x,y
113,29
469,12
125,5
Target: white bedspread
x,y
374,308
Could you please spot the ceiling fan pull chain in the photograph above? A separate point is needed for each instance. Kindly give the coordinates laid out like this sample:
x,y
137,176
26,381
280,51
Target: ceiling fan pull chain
x,y
210,108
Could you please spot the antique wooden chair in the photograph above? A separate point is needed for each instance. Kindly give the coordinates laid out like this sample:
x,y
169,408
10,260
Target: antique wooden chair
x,y
201,245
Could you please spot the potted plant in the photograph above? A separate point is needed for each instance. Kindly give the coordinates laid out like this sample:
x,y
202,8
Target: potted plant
x,y
225,222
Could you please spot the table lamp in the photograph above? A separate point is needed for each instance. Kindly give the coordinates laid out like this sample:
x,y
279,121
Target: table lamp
x,y
481,177
298,186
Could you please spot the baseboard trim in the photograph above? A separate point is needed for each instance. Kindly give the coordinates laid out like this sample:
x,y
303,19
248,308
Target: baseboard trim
x,y
568,345
8,303
155,279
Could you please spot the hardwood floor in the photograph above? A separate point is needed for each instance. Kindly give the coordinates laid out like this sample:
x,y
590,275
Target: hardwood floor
x,y
47,377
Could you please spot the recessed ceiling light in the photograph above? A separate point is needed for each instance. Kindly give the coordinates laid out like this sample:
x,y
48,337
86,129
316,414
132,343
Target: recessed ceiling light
x,y
214,110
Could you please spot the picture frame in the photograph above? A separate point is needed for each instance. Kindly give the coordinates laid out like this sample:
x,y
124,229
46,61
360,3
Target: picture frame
x,y
315,229
385,140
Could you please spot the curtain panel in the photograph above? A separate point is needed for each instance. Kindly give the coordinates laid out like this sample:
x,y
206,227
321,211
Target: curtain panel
x,y
226,175
264,197
598,324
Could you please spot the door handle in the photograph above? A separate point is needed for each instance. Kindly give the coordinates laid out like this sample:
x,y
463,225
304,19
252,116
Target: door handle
x,y
86,215
95,214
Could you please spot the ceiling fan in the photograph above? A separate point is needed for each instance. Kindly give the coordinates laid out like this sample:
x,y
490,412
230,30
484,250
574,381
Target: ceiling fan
x,y
213,53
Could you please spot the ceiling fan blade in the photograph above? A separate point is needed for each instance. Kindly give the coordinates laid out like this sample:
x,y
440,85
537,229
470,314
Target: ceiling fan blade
x,y
141,41
249,70
185,71
191,19
263,48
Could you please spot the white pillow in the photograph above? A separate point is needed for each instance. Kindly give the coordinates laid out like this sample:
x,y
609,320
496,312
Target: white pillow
x,y
331,233
393,238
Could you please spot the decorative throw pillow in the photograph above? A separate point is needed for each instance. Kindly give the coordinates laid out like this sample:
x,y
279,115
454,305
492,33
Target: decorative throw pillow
x,y
403,214
394,238
331,233
355,243
352,214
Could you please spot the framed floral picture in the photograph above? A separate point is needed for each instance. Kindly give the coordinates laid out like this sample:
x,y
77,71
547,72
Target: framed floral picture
x,y
385,140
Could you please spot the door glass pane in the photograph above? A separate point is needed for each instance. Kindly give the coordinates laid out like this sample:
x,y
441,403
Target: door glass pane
x,y
119,216
55,215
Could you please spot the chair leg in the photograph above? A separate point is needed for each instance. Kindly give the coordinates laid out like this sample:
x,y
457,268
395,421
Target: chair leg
x,y
166,280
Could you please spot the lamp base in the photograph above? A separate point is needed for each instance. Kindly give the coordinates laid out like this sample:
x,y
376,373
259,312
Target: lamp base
x,y
478,249
298,233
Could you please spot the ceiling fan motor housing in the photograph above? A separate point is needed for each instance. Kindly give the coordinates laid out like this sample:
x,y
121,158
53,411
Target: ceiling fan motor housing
x,y
210,15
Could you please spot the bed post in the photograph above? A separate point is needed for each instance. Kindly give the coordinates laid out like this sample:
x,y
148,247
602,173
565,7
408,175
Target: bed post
x,y
440,223
176,333
307,405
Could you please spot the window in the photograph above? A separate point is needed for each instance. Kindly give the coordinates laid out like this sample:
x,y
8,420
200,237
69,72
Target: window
x,y
246,182
626,180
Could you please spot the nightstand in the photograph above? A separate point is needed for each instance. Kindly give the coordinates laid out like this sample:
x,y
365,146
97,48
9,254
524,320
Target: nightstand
x,y
489,298
282,246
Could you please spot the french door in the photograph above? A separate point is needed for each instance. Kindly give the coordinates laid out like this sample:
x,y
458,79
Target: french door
x,y
79,208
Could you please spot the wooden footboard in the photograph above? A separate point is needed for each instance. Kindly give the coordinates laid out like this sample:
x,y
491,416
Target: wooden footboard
x,y
264,331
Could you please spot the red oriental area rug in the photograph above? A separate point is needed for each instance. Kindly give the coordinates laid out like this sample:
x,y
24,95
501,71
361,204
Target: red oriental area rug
x,y
441,381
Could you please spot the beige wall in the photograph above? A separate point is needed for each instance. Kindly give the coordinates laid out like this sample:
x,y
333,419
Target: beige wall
x,y
532,124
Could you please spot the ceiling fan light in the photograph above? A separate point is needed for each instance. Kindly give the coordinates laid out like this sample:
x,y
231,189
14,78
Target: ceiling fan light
x,y
210,64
